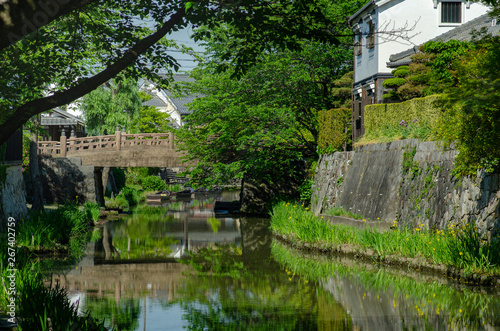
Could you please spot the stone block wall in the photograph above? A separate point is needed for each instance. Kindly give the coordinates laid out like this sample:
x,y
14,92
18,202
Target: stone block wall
x,y
13,195
65,179
408,181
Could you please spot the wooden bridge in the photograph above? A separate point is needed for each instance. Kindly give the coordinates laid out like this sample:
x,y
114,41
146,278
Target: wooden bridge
x,y
119,150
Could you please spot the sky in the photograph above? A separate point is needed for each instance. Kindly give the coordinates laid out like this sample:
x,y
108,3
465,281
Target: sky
x,y
184,37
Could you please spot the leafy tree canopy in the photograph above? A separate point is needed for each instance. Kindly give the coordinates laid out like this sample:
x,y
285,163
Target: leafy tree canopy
x,y
115,103
263,122
471,108
86,46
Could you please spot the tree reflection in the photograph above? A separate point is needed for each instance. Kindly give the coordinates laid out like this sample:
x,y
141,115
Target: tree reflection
x,y
121,315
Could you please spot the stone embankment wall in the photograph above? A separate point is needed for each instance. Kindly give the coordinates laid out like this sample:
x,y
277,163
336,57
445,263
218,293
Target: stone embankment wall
x,y
65,179
13,195
408,181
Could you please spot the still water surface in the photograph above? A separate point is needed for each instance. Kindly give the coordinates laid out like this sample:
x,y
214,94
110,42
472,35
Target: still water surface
x,y
242,280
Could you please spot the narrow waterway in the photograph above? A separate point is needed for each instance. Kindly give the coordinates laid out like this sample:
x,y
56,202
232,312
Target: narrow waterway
x,y
240,279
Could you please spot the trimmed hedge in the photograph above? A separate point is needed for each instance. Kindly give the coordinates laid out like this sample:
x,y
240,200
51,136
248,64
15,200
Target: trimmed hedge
x,y
380,115
332,129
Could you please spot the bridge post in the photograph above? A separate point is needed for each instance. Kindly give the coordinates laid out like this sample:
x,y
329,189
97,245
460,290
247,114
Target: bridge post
x,y
99,188
118,140
62,143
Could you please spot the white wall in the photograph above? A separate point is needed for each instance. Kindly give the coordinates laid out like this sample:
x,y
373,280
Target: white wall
x,y
401,14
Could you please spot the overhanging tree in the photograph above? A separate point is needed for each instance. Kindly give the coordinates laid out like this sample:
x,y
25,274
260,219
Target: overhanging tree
x,y
261,123
81,50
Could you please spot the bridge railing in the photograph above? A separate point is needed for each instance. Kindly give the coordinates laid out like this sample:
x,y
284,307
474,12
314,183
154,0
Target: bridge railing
x,y
118,141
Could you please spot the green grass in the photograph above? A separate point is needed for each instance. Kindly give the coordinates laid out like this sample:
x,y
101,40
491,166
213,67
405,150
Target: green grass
x,y
461,247
339,211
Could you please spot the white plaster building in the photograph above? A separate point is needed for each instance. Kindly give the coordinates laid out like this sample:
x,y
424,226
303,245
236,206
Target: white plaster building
x,y
169,103
385,27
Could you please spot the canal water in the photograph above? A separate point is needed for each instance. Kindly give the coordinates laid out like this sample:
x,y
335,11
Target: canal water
x,y
178,266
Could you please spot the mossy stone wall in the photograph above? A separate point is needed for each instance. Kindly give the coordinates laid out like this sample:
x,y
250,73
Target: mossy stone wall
x,y
408,181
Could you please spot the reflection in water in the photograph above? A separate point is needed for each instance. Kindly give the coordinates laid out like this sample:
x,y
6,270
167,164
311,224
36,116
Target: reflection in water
x,y
381,299
239,279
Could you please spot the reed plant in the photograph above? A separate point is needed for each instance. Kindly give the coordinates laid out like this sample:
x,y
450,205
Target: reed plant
x,y
459,246
92,210
67,225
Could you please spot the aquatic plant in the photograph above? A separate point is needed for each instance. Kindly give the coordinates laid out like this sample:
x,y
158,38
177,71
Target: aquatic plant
x,y
67,225
92,210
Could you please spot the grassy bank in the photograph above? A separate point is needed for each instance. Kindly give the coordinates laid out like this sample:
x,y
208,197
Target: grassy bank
x,y
460,247
68,230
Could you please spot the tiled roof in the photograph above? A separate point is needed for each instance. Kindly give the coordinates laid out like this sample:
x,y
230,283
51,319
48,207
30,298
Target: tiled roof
x,y
60,117
462,33
179,102
155,102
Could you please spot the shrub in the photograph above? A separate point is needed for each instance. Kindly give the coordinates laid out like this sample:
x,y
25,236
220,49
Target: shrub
x,y
119,176
153,183
393,82
332,129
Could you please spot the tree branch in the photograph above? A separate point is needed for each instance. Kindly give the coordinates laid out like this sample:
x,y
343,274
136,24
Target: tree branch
x,y
19,18
24,112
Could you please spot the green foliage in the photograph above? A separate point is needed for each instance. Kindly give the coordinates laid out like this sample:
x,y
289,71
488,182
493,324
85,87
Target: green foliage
x,y
92,210
464,307
401,71
267,119
471,250
120,178
132,195
429,73
65,225
116,103
305,191
101,39
334,130
393,82
408,163
26,153
154,183
471,110
415,118
38,304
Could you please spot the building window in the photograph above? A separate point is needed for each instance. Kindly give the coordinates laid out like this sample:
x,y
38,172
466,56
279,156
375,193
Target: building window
x,y
358,44
370,39
451,12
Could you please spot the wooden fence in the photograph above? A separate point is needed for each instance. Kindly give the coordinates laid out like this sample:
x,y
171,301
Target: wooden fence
x,y
118,141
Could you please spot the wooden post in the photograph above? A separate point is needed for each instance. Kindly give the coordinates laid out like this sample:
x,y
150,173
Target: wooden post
x,y
171,140
62,144
118,140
